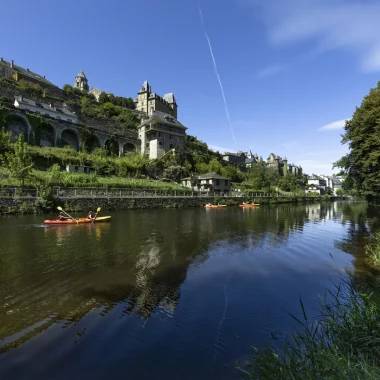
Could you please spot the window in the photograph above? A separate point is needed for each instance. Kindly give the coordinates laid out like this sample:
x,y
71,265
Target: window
x,y
217,182
160,143
226,182
159,134
171,137
147,145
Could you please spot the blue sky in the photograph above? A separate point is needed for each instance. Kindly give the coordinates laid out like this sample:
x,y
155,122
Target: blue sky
x,y
288,68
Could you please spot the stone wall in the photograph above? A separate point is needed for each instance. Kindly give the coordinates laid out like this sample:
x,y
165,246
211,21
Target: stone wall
x,y
33,206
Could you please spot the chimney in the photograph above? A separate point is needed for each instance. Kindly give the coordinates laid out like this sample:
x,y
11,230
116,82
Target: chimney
x,y
12,64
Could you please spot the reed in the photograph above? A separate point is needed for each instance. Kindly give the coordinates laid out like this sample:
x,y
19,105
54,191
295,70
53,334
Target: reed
x,y
343,343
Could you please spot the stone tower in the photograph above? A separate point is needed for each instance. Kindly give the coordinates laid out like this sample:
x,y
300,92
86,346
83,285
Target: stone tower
x,y
142,97
172,103
81,81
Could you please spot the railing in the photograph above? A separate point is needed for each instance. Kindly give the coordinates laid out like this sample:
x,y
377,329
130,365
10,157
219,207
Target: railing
x,y
83,192
18,193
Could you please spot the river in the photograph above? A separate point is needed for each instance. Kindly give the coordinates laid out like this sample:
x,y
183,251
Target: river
x,y
169,294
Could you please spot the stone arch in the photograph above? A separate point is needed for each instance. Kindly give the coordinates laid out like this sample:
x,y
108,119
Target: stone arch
x,y
112,146
18,124
47,135
129,147
92,143
70,137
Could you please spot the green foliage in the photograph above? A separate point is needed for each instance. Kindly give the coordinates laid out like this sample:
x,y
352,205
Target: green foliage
x,y
233,173
373,250
5,141
30,88
340,192
20,162
342,344
67,89
362,134
103,98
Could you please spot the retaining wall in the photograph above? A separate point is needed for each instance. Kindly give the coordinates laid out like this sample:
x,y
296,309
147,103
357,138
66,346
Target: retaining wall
x,y
37,206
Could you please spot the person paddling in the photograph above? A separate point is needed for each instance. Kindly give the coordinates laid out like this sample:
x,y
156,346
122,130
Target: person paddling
x,y
90,215
62,216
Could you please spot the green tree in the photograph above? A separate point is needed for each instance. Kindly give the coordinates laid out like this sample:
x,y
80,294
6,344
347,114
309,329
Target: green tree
x,y
67,89
362,134
103,98
215,166
5,141
20,162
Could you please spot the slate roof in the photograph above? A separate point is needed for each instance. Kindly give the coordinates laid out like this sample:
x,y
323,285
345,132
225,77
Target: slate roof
x,y
238,154
250,160
81,74
212,176
164,118
43,106
27,73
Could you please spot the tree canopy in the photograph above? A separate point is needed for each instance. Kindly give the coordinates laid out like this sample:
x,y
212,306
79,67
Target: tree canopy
x,y
362,134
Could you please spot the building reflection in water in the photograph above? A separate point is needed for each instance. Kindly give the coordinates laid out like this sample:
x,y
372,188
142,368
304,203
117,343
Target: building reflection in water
x,y
139,261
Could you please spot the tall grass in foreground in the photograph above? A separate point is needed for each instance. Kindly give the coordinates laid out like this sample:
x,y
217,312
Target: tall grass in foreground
x,y
373,250
344,343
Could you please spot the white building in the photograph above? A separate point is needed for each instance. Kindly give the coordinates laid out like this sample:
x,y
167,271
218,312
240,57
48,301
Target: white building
x,y
45,109
317,181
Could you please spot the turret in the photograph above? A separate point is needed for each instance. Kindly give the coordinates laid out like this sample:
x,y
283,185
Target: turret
x,y
81,81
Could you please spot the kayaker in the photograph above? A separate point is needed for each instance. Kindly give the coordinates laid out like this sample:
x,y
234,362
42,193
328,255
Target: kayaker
x,y
91,215
62,216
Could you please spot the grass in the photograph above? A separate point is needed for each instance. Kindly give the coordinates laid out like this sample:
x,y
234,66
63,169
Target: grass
x,y
373,250
65,179
343,343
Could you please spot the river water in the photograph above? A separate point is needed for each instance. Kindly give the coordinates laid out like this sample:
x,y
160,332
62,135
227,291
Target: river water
x,y
168,294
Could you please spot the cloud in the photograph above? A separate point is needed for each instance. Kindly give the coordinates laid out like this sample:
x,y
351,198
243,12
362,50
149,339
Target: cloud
x,y
326,25
339,124
220,149
270,70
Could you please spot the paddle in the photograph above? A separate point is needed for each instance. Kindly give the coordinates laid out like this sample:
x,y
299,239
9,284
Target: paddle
x,y
61,209
97,210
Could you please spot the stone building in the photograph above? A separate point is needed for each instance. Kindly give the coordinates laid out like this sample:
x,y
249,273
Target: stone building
x,y
281,165
81,81
148,101
10,69
159,133
234,158
45,109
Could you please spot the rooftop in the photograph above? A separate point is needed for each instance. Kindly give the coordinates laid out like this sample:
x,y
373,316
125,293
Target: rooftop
x,y
48,107
164,118
26,72
212,176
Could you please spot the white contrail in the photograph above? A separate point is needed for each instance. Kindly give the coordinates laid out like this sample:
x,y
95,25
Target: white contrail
x,y
216,71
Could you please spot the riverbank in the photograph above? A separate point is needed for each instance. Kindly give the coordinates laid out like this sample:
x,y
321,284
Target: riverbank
x,y
344,343
20,206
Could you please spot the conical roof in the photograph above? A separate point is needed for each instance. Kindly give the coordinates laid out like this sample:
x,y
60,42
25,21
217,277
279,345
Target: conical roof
x,y
81,75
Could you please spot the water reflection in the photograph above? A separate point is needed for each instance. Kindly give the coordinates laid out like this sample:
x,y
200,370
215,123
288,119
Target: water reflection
x,y
138,263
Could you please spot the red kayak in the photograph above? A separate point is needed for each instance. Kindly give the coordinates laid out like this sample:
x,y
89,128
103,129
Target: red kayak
x,y
100,219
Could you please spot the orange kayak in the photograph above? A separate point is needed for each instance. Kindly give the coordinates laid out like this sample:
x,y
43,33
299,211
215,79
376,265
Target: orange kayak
x,y
99,219
215,206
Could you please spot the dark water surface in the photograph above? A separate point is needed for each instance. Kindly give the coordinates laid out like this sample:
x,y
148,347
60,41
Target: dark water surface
x,y
166,294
